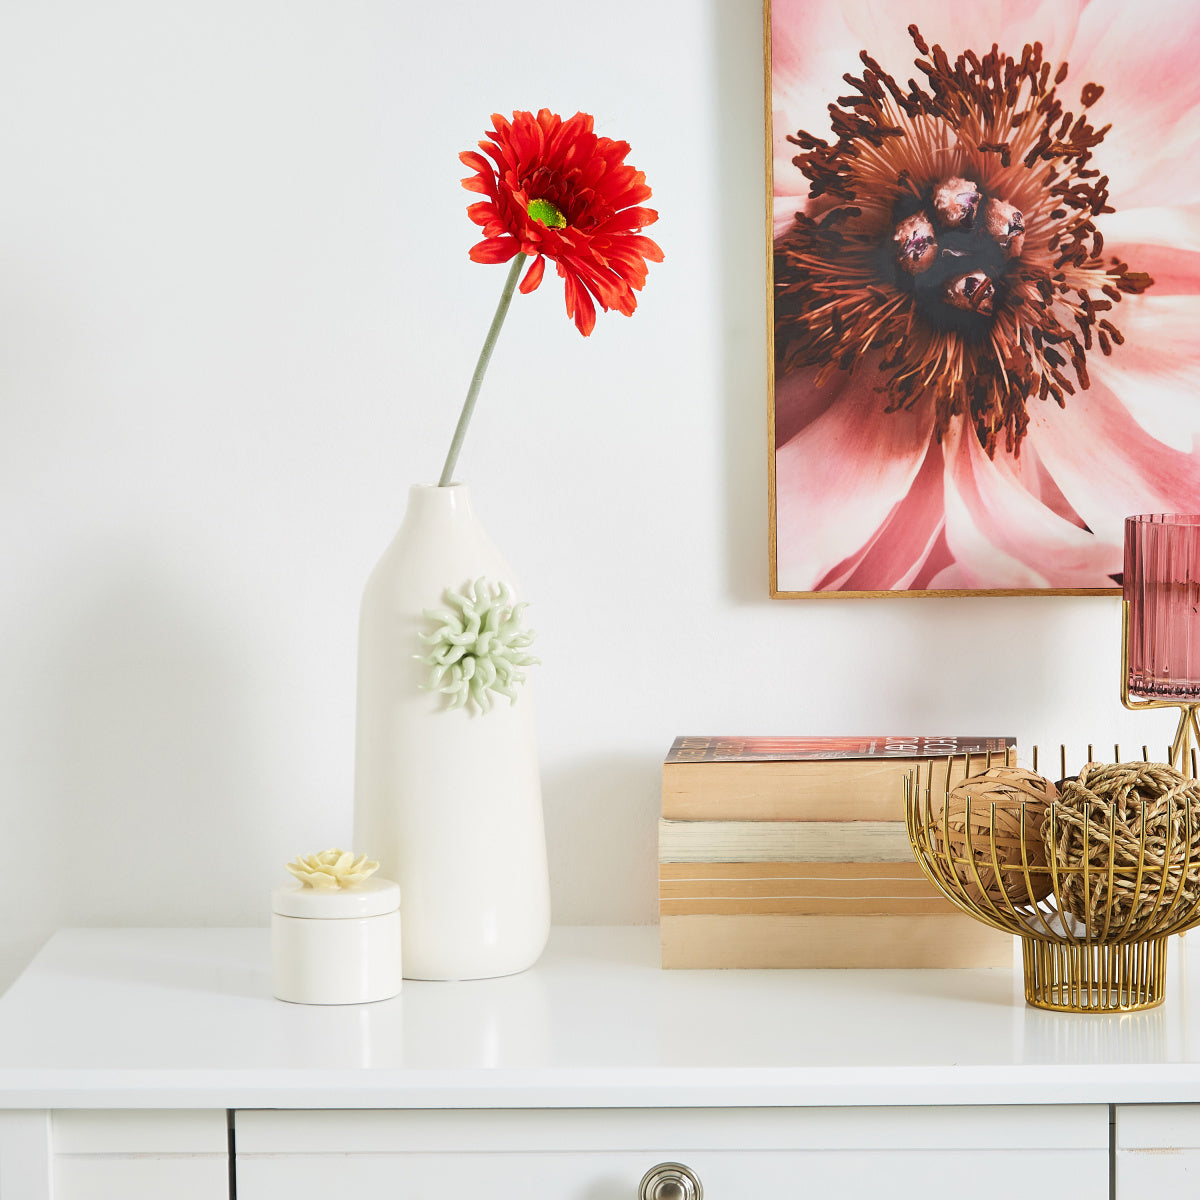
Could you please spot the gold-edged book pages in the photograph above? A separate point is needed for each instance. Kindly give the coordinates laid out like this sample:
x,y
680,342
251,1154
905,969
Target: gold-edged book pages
x,y
788,941
797,889
814,790
783,841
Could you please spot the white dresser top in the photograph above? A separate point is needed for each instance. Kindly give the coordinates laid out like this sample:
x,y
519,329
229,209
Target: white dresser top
x,y
184,1018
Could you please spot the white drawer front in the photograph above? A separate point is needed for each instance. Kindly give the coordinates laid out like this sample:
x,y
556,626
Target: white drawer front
x,y
602,1154
145,1155
1157,1150
128,1177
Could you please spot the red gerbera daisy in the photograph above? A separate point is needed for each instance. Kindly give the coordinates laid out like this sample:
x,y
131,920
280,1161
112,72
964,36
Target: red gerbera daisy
x,y
558,191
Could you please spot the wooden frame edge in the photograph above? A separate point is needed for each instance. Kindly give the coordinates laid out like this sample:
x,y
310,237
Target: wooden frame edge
x,y
768,223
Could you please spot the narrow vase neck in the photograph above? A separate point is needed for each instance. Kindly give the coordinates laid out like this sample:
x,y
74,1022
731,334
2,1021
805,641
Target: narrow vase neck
x,y
430,505
428,502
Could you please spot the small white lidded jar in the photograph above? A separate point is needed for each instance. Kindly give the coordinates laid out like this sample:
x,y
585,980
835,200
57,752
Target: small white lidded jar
x,y
336,946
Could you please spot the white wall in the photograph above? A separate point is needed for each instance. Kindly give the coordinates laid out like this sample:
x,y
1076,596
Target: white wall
x,y
237,319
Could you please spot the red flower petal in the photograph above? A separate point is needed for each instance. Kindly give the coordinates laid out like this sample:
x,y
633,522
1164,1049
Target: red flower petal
x,y
493,250
534,275
579,304
475,161
630,219
482,212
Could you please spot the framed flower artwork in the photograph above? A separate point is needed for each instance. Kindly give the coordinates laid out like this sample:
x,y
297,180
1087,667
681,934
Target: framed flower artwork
x,y
985,286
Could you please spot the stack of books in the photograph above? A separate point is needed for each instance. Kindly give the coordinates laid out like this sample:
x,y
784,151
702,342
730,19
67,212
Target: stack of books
x,y
792,852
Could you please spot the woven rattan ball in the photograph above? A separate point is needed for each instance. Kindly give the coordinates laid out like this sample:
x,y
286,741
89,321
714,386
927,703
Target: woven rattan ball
x,y
1141,823
998,798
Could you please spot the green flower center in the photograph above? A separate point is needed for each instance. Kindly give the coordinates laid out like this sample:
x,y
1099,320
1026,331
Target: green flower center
x,y
546,214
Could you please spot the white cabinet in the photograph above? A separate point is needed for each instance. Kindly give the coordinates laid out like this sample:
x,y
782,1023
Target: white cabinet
x,y
602,1154
123,1051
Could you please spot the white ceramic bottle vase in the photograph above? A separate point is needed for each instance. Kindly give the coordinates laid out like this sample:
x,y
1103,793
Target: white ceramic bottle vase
x,y
448,801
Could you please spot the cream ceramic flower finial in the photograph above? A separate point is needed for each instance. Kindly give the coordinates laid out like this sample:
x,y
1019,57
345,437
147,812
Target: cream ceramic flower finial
x,y
332,869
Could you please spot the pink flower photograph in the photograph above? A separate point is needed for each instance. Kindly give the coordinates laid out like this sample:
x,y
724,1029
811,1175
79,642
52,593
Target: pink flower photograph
x,y
985,282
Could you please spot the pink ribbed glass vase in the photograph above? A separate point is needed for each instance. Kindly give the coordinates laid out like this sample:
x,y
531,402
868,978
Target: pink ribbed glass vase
x,y
1162,588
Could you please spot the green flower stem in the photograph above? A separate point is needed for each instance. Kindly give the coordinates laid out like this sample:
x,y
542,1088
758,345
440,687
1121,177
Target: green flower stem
x,y
485,356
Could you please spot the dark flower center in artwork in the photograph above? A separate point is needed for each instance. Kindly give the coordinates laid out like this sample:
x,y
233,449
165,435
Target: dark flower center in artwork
x,y
951,249
950,242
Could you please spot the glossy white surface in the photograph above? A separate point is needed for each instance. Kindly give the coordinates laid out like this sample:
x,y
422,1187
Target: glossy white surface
x,y
185,1019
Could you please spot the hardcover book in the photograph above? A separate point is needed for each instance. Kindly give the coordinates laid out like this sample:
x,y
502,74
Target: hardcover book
x,y
813,778
793,852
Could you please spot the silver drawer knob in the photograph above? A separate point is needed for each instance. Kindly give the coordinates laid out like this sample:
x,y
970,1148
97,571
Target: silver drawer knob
x,y
670,1181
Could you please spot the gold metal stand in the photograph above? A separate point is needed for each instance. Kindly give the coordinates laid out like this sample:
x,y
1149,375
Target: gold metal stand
x,y
1187,732
1100,962
1095,977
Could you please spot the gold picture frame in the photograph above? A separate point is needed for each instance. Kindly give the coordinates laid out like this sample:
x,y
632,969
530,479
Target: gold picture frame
x,y
1003,461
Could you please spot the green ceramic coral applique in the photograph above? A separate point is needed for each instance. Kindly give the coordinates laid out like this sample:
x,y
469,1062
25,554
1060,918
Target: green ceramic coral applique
x,y
478,649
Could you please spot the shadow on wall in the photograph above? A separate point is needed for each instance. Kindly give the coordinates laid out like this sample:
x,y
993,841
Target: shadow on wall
x,y
139,768
742,272
602,839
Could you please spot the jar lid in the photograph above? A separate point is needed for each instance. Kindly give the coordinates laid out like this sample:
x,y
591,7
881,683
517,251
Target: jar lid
x,y
373,897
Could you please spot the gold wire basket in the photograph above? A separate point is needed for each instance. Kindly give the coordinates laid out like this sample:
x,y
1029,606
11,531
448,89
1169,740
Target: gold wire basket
x,y
1108,959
